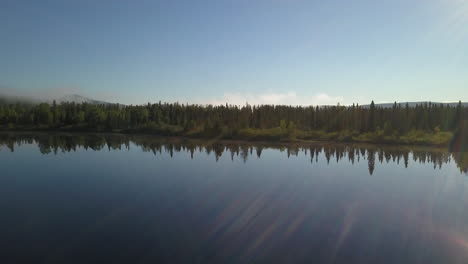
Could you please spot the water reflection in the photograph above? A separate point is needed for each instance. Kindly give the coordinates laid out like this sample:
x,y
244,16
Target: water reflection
x,y
133,207
56,143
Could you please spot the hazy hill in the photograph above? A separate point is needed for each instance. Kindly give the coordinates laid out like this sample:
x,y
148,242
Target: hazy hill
x,y
76,98
414,104
72,98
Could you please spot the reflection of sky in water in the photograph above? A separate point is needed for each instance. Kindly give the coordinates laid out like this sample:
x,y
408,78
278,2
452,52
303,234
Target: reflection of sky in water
x,y
113,205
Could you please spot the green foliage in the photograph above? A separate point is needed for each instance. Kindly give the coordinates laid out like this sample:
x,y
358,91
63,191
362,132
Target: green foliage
x,y
270,134
283,124
43,114
418,137
95,117
422,124
388,130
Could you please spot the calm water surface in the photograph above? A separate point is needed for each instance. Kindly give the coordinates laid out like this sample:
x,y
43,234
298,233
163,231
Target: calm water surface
x,y
110,199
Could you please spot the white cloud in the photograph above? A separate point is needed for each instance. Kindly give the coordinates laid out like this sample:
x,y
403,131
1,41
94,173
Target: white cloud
x,y
288,98
325,99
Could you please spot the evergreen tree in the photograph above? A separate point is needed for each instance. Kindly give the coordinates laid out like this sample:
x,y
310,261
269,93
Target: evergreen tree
x,y
371,122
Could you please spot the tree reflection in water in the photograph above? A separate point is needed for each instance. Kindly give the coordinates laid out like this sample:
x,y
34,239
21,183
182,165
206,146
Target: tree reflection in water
x,y
55,143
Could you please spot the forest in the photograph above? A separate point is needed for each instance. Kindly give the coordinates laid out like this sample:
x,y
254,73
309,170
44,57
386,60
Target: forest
x,y
423,124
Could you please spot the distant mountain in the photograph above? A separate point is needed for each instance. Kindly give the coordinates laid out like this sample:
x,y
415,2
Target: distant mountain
x,y
75,98
414,104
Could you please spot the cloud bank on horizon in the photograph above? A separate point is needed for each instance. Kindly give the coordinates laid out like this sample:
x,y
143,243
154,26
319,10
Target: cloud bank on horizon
x,y
272,98
266,98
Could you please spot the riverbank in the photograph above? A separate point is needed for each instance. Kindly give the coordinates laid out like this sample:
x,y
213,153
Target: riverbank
x,y
414,137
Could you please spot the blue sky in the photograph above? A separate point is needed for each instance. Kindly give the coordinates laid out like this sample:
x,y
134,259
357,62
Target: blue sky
x,y
260,51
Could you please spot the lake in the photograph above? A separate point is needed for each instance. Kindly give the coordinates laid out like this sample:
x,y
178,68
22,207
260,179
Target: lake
x,y
140,199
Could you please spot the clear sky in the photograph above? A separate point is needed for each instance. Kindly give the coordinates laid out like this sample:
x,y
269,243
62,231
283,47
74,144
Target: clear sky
x,y
261,51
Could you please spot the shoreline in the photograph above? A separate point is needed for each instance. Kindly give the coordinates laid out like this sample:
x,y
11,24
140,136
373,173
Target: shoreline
x,y
285,142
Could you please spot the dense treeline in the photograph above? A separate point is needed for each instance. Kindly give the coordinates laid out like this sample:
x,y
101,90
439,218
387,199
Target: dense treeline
x,y
56,143
426,123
